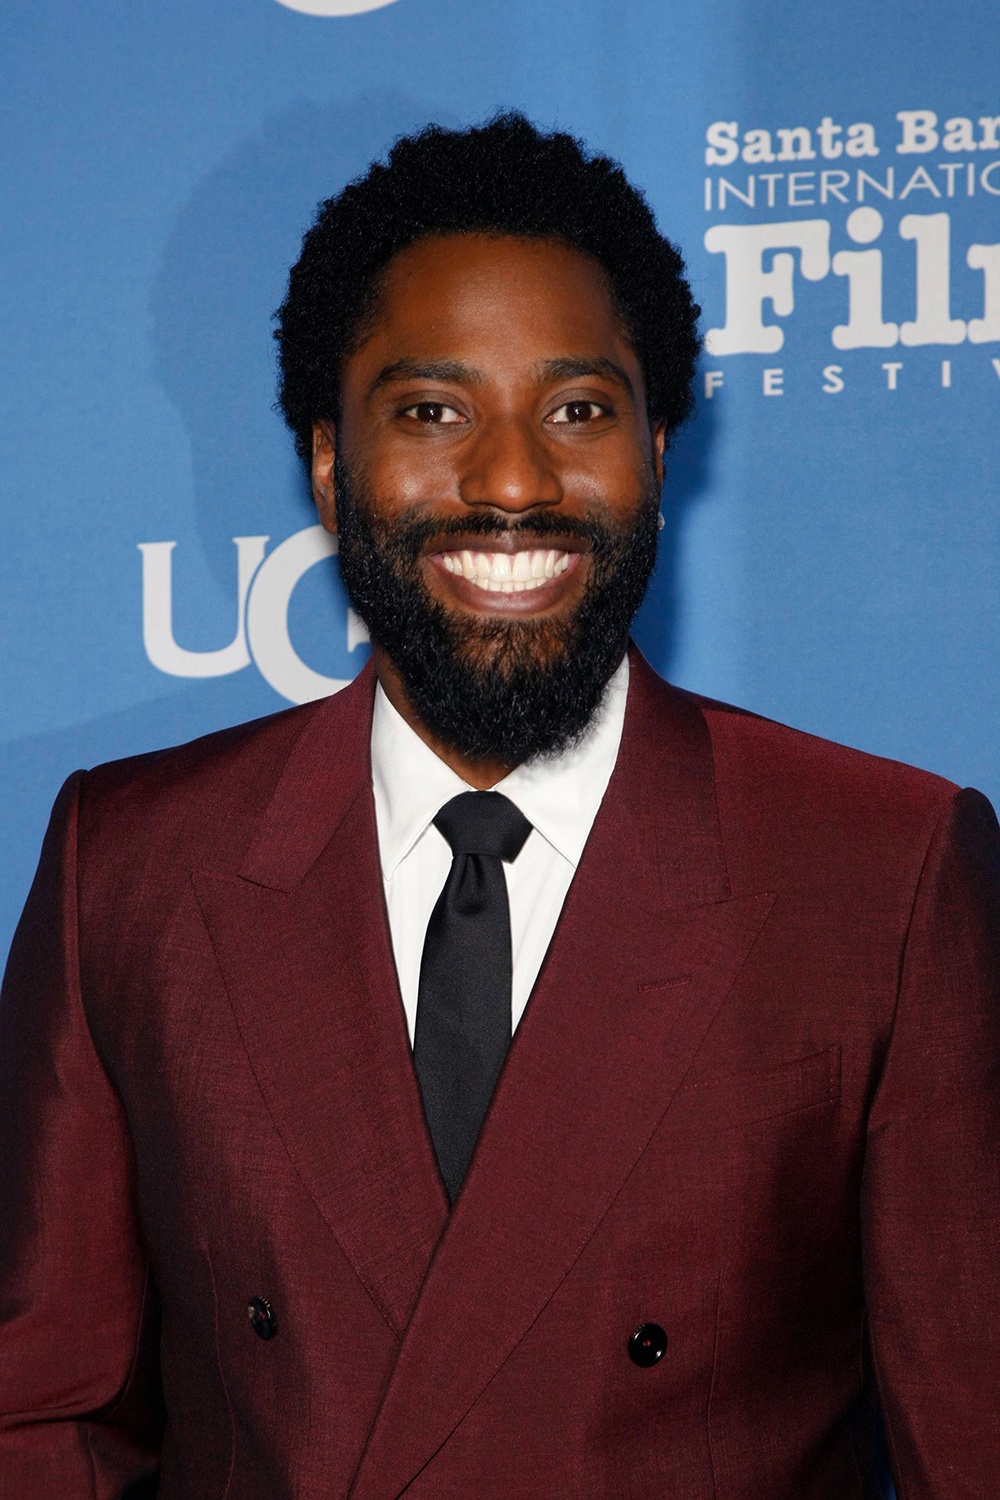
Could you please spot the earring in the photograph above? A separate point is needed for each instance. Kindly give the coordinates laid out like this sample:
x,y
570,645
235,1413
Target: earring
x,y
660,522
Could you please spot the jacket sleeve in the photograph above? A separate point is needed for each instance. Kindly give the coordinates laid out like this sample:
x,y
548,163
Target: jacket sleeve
x,y
931,1188
79,1409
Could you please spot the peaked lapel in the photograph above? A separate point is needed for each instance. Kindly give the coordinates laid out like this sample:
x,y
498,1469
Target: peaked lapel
x,y
649,943
302,939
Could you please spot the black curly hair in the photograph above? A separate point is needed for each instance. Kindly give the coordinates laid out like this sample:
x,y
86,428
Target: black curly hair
x,y
504,177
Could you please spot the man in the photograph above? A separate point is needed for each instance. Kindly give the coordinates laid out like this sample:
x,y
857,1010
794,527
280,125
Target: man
x,y
289,1213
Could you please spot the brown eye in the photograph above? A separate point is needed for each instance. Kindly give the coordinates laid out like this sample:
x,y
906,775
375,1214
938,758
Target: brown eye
x,y
577,412
432,413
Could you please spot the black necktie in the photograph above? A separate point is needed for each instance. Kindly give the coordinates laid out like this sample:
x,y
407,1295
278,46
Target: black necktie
x,y
463,1002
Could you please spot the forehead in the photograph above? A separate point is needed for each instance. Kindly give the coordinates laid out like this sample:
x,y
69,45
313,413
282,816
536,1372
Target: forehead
x,y
493,295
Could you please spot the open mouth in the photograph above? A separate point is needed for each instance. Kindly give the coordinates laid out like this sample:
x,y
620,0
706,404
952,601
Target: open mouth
x,y
509,572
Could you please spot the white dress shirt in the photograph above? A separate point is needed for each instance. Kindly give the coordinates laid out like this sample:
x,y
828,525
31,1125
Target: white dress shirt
x,y
558,795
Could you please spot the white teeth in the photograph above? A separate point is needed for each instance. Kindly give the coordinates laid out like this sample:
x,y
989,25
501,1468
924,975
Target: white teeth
x,y
505,572
508,585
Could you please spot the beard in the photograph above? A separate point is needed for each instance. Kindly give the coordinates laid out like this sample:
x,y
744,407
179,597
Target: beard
x,y
495,689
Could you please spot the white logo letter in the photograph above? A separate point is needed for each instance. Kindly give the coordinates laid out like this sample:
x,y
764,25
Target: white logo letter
x,y
933,323
158,612
986,258
748,284
918,130
333,7
267,617
864,328
722,147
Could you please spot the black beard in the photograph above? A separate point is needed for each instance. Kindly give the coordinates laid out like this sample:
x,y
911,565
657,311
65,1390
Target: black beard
x,y
504,690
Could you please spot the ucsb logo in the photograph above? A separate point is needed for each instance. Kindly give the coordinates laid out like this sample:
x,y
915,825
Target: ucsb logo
x,y
264,589
334,7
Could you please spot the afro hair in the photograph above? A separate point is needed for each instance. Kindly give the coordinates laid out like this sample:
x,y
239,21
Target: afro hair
x,y
505,177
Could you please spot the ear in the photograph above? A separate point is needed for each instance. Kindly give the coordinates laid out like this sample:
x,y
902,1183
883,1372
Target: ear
x,y
323,491
659,445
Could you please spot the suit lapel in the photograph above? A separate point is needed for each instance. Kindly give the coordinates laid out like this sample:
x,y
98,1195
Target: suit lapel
x,y
302,941
648,945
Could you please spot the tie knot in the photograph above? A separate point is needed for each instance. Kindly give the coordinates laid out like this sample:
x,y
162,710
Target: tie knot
x,y
483,823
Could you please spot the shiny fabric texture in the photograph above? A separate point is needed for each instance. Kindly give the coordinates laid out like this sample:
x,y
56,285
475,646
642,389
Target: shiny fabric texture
x,y
754,1100
463,1026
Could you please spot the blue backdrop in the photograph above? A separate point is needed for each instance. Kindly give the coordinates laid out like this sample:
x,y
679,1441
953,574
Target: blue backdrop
x,y
832,174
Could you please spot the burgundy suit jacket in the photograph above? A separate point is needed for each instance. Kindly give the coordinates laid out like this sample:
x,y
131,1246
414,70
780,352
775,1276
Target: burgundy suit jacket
x,y
754,1099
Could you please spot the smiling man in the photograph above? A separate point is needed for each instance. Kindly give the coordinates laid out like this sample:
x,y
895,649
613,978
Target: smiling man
x,y
513,1076
497,511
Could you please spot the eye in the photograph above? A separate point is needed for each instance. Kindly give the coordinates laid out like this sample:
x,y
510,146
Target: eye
x,y
577,412
433,413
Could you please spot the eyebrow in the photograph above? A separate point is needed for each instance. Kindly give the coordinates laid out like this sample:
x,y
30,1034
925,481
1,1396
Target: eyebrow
x,y
453,372
448,371
579,369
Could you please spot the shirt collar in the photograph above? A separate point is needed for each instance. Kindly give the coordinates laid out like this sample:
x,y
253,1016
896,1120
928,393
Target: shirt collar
x,y
559,794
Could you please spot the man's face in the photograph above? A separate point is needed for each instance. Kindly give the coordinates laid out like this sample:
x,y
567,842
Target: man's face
x,y
494,475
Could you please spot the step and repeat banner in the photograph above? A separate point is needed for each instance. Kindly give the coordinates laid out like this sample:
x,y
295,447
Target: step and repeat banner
x,y
832,175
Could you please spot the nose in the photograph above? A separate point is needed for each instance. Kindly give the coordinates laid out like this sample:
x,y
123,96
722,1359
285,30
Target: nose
x,y
510,467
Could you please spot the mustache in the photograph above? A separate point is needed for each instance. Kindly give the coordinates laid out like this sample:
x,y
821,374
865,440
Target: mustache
x,y
410,535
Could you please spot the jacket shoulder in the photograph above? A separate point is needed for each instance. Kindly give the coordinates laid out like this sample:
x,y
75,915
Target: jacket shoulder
x,y
801,788
761,760
241,760
204,800
771,747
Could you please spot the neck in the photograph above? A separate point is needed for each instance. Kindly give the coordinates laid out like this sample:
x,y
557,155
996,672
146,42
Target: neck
x,y
481,774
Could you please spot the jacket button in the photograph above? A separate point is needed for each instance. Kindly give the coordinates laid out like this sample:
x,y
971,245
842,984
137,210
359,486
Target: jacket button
x,y
262,1319
647,1345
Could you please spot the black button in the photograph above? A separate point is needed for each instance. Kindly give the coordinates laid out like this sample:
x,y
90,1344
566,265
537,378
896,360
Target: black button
x,y
262,1319
647,1345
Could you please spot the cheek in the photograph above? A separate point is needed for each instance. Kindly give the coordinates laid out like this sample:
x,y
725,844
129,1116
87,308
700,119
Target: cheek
x,y
618,485
412,476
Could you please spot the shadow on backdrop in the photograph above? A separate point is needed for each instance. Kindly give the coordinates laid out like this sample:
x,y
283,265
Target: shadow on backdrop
x,y
223,274
687,476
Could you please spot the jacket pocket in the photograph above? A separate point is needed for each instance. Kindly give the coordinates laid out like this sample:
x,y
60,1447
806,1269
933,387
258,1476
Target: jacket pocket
x,y
765,1093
